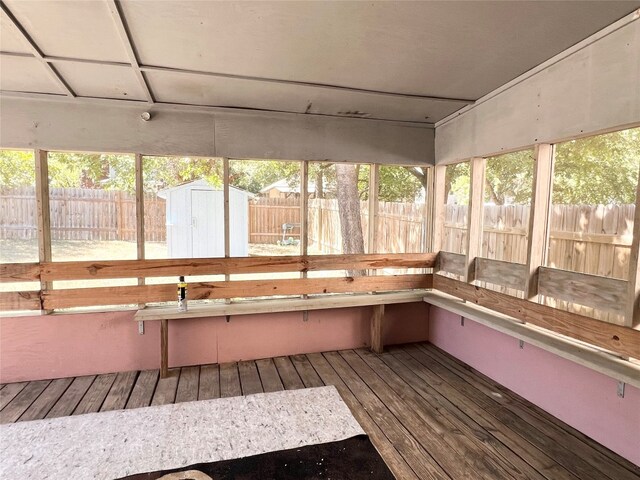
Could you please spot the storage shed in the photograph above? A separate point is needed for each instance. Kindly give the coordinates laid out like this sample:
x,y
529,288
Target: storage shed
x,y
195,220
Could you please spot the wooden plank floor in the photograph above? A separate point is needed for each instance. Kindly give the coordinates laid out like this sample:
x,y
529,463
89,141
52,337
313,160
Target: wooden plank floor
x,y
428,414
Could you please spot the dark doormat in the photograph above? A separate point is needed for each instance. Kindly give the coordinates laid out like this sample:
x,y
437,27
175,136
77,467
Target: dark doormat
x,y
352,459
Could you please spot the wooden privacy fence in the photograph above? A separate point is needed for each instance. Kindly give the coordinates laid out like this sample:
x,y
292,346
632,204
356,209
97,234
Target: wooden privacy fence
x,y
400,227
99,215
594,239
267,215
81,214
591,239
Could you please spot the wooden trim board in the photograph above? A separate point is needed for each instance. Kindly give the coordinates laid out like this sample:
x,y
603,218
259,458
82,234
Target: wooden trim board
x,y
622,340
451,263
602,293
86,297
499,272
19,272
216,266
279,305
20,300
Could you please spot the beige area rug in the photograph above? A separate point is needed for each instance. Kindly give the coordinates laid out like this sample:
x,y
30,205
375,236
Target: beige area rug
x,y
126,442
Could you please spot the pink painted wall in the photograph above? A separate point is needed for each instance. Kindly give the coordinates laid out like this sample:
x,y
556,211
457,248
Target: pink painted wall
x,y
585,399
42,347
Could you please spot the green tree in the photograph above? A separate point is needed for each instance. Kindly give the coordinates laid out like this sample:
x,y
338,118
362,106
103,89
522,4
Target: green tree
x,y
17,168
400,184
254,175
165,172
509,178
597,170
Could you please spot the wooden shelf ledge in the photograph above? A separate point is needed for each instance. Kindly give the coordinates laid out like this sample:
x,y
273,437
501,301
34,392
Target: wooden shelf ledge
x,y
607,364
279,305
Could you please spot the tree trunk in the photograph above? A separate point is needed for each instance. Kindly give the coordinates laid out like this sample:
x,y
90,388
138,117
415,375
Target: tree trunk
x,y
349,211
319,193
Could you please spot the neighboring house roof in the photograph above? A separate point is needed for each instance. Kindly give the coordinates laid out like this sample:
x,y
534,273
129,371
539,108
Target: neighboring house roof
x,y
201,185
284,187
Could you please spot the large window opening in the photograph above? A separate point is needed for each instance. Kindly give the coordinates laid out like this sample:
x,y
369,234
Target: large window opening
x,y
265,208
338,215
592,214
507,200
18,213
456,199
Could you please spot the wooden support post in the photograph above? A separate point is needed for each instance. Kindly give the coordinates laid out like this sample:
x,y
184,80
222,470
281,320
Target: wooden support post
x,y
304,207
438,207
377,321
139,218
227,235
44,216
164,348
428,211
374,182
474,218
304,219
377,318
539,218
632,313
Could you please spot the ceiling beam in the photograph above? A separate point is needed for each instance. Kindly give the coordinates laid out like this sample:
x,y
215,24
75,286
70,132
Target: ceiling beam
x,y
189,107
35,50
125,36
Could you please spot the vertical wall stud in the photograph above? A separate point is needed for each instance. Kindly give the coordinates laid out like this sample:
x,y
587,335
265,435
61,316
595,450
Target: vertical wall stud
x,y
140,224
632,314
539,217
44,216
304,218
374,182
428,211
377,316
227,236
474,217
438,207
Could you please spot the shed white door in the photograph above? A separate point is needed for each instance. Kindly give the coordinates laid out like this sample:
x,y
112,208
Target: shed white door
x,y
207,224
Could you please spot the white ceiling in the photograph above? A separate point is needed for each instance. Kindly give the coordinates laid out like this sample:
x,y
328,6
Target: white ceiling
x,y
404,61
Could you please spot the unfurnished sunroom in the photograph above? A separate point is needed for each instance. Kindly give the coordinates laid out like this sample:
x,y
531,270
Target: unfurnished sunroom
x,y
300,240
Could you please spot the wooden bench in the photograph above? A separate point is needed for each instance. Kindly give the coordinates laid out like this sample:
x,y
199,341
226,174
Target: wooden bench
x,y
164,314
581,353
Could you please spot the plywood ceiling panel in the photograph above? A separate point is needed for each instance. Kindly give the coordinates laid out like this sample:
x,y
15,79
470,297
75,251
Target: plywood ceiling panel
x,y
445,49
26,74
10,40
449,49
71,28
222,92
103,81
